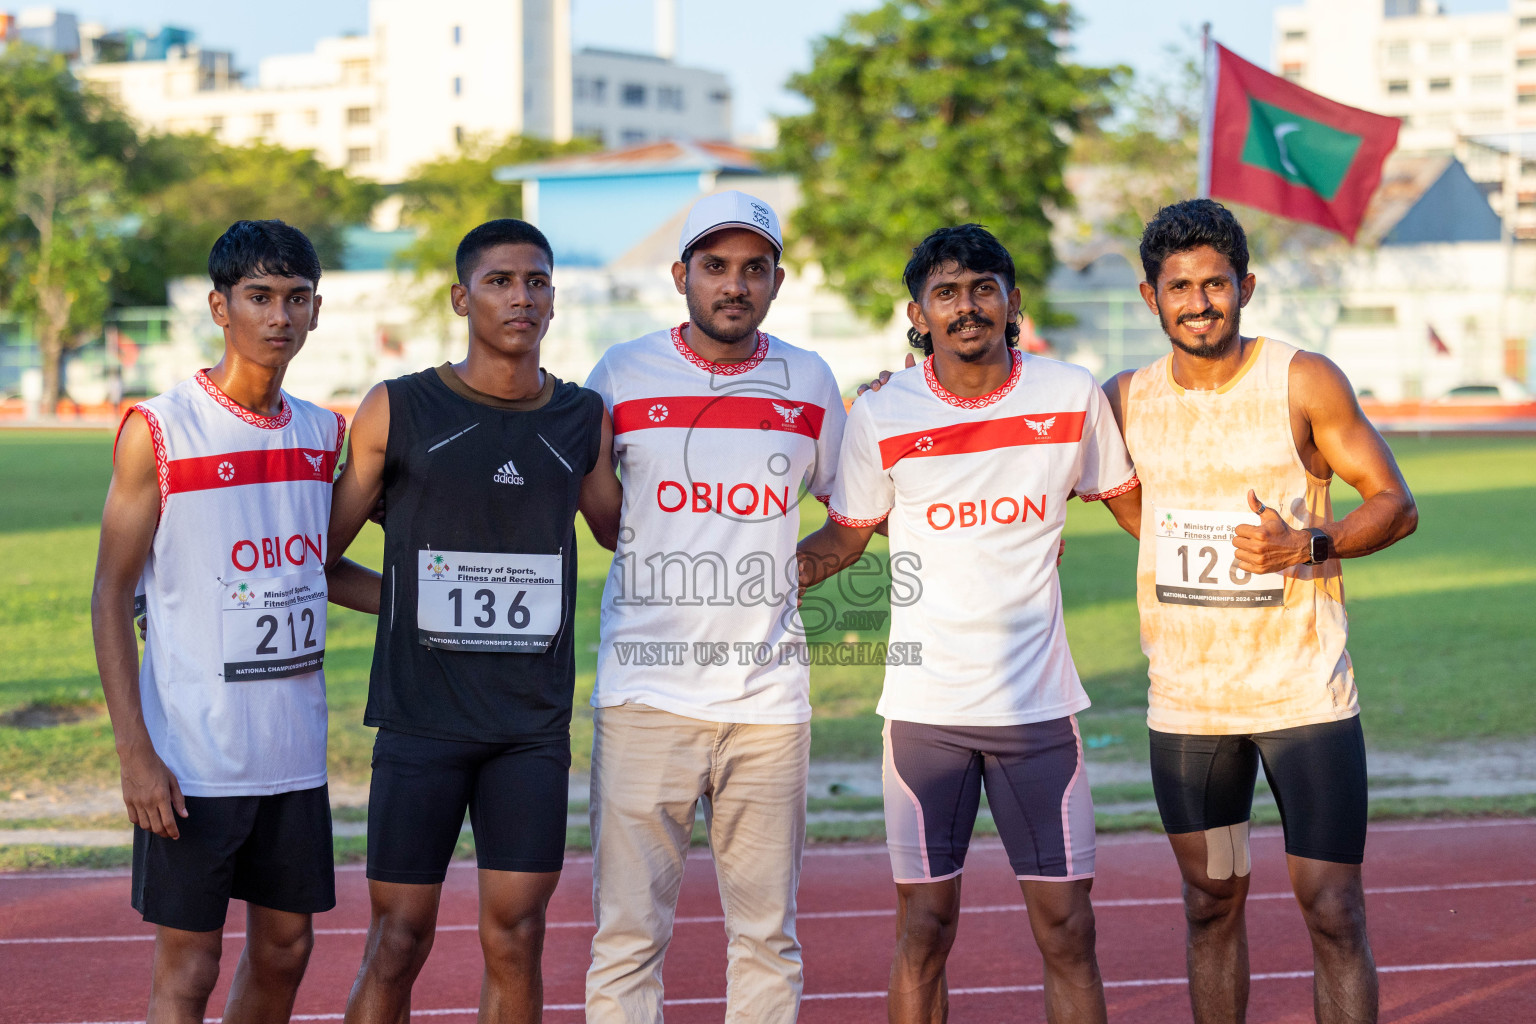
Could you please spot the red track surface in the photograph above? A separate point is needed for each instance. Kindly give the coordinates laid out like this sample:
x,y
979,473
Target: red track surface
x,y
1452,915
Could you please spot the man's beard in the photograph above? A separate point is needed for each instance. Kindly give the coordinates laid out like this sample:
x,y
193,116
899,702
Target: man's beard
x,y
960,324
720,330
1217,345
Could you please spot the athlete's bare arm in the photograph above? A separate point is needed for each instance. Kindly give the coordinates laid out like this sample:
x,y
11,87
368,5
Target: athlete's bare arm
x,y
601,494
151,793
1127,507
1332,437
356,493
830,550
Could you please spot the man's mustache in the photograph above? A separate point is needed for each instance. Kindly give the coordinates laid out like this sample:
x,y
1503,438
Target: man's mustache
x,y
969,320
1205,314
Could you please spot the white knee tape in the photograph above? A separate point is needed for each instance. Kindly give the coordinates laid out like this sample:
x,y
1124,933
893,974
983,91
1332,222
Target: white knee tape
x,y
1226,852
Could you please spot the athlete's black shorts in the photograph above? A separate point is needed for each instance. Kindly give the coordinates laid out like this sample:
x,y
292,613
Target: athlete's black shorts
x,y
273,851
1317,773
515,794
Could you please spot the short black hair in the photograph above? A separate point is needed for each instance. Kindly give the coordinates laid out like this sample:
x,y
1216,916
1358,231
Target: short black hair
x,y
256,248
505,231
971,247
1191,224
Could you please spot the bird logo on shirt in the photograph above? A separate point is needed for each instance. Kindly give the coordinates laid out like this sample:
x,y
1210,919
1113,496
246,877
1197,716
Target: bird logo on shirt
x,y
790,412
315,462
1041,427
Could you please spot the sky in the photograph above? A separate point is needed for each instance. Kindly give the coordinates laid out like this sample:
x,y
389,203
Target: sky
x,y
758,54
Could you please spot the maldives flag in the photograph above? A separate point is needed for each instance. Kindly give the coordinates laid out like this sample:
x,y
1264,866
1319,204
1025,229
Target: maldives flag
x,y
1271,144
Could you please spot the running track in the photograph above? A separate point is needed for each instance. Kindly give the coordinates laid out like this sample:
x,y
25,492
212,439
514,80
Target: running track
x,y
1452,913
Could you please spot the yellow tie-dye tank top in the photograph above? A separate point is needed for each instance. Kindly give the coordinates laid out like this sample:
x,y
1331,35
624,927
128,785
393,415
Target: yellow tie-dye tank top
x,y
1230,652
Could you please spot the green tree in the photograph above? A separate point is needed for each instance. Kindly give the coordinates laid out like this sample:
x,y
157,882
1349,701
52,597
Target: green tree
x,y
192,188
442,199
928,113
61,155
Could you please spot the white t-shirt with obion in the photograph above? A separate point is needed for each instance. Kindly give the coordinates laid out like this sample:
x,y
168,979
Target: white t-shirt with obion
x,y
976,491
698,614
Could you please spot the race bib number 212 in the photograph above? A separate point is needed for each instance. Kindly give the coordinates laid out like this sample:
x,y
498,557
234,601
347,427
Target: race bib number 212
x,y
1197,564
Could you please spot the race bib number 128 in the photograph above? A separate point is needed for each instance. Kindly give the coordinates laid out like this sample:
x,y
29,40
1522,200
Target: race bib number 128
x,y
273,627
483,601
1196,562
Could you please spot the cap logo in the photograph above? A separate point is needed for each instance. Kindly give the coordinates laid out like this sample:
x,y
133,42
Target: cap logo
x,y
760,215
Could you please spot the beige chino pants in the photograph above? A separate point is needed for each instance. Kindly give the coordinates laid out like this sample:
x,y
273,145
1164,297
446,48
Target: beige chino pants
x,y
650,768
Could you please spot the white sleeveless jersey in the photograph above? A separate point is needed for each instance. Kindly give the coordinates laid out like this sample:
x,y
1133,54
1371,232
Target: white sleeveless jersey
x,y
231,683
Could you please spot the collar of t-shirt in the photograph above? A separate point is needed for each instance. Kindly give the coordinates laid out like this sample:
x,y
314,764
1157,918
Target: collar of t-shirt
x,y
451,379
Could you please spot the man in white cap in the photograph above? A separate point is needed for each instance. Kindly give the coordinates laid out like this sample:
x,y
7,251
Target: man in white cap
x,y
702,686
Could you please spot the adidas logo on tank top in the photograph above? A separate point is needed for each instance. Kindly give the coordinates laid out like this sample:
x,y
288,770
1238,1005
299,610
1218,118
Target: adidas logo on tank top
x,y
507,474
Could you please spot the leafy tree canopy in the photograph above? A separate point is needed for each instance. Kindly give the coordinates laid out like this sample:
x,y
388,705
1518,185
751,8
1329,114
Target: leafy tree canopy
x,y
192,188
928,113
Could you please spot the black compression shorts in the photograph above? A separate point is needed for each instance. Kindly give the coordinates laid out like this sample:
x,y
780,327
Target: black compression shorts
x,y
1317,773
515,794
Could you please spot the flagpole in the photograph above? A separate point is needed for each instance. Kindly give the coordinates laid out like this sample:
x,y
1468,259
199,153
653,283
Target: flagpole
x,y
1208,107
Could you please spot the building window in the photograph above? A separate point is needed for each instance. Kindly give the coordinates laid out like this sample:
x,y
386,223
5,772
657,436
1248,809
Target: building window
x,y
591,90
1439,85
669,97
458,86
1438,119
1527,21
358,155
1487,83
1482,48
633,95
359,115
356,72
1526,99
458,35
311,116
1293,72
1398,52
632,136
1487,118
1526,61
1398,87
266,122
1296,35
1440,51
458,135
215,126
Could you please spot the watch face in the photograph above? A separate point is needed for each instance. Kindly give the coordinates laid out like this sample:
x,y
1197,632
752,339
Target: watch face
x,y
1319,547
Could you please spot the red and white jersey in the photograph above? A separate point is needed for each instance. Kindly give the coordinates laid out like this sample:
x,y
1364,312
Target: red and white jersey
x,y
231,682
715,458
976,490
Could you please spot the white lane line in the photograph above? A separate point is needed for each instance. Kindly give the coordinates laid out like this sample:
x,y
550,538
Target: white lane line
x,y
980,990
821,915
852,849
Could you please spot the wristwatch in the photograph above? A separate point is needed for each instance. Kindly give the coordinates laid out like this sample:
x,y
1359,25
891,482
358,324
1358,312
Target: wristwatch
x,y
1320,549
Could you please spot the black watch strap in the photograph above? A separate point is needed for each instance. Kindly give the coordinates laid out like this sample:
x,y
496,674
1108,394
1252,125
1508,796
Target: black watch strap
x,y
1322,547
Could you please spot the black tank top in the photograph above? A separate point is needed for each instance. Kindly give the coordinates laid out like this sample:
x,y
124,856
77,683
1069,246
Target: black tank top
x,y
475,638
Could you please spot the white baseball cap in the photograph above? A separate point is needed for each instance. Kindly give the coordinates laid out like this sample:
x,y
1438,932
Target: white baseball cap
x,y
731,210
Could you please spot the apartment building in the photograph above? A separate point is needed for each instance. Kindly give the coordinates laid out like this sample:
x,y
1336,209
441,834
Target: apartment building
x,y
1462,84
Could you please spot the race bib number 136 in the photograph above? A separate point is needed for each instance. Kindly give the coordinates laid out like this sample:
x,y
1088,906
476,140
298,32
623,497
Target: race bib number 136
x,y
1196,562
484,601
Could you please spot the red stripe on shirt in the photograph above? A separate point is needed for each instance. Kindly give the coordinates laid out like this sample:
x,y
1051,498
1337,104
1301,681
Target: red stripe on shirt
x,y
984,436
724,412
263,466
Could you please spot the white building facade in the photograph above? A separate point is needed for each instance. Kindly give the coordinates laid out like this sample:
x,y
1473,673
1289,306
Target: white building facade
x,y
1450,78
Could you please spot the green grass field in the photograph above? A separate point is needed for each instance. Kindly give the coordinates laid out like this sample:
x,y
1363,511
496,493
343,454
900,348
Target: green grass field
x,y
1441,633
